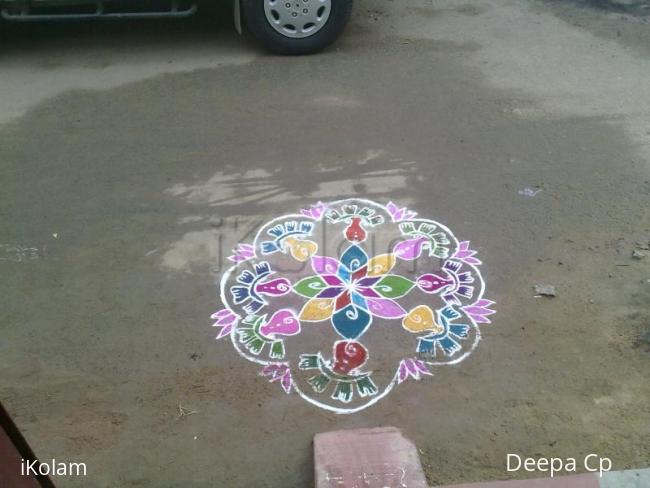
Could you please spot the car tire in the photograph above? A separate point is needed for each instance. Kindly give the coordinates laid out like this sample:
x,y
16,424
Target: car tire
x,y
256,17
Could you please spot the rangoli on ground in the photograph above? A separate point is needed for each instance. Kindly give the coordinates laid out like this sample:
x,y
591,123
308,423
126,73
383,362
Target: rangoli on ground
x,y
344,301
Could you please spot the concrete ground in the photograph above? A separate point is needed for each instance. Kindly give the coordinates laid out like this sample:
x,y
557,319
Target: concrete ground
x,y
134,155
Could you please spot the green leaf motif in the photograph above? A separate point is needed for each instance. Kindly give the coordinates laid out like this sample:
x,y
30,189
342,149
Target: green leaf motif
x,y
308,361
255,346
407,228
439,252
343,392
319,382
366,387
427,228
441,238
393,286
310,287
277,350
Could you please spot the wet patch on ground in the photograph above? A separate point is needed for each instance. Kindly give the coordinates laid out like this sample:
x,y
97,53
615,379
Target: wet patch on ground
x,y
632,7
627,23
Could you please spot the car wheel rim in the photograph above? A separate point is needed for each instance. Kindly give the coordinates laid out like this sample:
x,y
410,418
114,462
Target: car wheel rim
x,y
297,18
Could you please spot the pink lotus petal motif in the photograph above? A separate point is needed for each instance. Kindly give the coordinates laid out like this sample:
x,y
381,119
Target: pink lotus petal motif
x,y
243,252
226,320
278,372
479,311
413,368
400,214
315,211
465,254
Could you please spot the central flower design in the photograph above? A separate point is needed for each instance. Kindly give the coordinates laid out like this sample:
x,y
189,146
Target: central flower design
x,y
352,290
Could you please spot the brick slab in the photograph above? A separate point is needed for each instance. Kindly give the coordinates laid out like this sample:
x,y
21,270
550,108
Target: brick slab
x,y
636,478
367,458
578,481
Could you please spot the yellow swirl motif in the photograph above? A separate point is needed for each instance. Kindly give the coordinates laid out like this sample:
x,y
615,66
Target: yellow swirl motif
x,y
301,250
317,309
381,265
421,318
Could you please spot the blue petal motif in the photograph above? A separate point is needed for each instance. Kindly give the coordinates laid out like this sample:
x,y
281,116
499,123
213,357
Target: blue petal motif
x,y
246,278
354,258
426,346
447,314
276,231
449,345
269,247
262,268
253,307
344,274
290,226
306,227
359,301
351,322
459,330
239,294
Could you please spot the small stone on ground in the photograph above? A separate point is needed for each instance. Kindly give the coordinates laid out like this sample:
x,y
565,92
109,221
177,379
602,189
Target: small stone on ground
x,y
545,290
636,254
